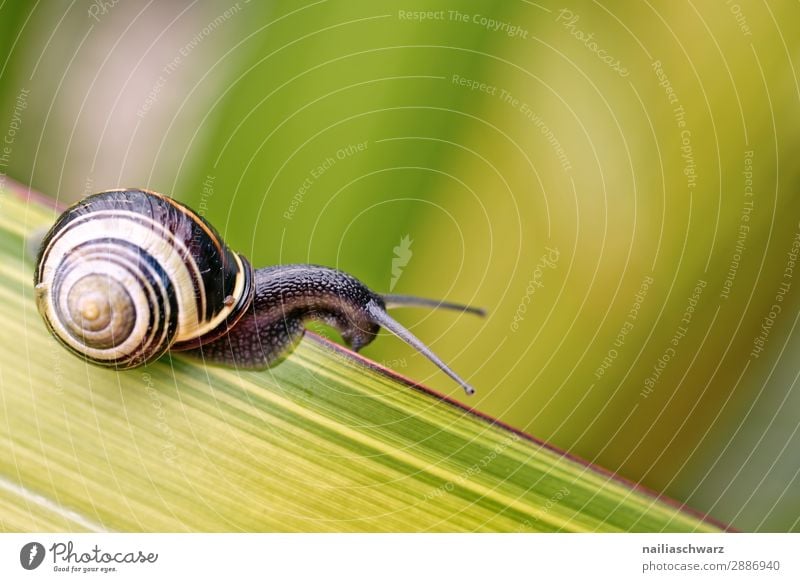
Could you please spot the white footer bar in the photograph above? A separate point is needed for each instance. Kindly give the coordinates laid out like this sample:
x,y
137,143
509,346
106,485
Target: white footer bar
x,y
401,557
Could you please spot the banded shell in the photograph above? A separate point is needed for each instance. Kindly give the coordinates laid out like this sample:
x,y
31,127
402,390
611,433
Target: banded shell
x,y
125,275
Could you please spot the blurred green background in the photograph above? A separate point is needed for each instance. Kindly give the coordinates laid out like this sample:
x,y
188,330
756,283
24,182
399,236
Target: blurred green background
x,y
619,186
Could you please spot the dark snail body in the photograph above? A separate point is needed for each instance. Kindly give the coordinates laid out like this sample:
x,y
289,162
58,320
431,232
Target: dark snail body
x,y
285,297
126,275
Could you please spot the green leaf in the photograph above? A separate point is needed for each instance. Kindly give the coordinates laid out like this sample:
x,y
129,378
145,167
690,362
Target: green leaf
x,y
326,441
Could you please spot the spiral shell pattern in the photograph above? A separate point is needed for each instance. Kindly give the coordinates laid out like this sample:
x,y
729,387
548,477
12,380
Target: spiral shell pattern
x,y
125,275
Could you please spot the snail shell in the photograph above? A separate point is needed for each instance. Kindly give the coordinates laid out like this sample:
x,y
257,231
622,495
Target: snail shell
x,y
125,275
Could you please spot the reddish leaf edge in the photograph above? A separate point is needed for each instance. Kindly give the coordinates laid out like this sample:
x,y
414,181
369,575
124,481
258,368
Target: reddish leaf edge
x,y
611,475
28,194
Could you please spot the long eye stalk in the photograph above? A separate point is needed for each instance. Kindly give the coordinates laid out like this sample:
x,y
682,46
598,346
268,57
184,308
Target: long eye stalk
x,y
385,320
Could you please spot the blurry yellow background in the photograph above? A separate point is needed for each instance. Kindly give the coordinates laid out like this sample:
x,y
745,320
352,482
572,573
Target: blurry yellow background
x,y
618,186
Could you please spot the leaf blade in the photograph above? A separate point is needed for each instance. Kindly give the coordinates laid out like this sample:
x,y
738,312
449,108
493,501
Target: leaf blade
x,y
323,442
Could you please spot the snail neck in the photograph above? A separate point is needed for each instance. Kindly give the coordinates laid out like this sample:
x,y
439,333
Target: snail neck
x,y
303,292
287,296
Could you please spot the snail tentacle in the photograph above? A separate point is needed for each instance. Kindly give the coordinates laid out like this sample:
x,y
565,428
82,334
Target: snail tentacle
x,y
392,301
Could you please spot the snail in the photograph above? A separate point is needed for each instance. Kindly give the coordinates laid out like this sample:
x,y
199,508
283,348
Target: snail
x,y
124,276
